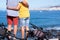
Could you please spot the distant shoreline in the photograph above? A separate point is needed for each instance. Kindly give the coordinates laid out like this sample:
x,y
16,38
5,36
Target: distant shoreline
x,y
47,8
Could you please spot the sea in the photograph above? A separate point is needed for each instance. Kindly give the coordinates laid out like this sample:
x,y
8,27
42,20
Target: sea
x,y
48,19
40,18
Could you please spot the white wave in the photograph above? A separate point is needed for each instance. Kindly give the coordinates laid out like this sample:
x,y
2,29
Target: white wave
x,y
54,28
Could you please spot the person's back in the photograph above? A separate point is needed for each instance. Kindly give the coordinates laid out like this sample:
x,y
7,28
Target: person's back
x,y
24,10
12,3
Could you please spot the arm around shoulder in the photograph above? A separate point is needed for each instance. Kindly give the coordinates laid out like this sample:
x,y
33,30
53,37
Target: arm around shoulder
x,y
14,8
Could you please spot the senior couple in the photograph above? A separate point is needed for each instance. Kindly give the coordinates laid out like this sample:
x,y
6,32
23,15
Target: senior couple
x,y
18,9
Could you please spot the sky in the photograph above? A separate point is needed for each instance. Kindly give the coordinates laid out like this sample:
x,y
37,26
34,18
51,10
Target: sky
x,y
34,3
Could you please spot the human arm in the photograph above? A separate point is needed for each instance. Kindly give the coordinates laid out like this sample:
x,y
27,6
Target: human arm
x,y
14,8
25,3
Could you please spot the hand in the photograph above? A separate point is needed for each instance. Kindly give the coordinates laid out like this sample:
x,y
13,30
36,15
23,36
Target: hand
x,y
8,8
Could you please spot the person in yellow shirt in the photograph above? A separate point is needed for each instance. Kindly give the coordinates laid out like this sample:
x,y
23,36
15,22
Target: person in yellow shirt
x,y
24,16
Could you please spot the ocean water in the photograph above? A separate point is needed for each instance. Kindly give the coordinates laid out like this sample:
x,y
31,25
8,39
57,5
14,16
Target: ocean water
x,y
41,18
3,17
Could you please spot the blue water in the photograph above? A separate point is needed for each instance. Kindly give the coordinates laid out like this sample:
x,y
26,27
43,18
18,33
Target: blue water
x,y
41,18
3,17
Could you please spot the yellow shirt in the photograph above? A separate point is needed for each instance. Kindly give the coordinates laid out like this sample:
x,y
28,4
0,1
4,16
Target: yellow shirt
x,y
24,11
